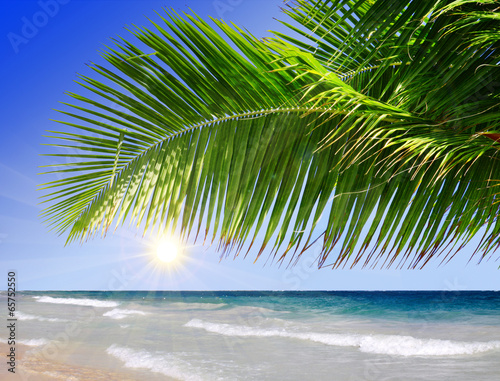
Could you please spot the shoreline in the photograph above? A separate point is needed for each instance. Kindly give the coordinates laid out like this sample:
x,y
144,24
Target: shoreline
x,y
32,366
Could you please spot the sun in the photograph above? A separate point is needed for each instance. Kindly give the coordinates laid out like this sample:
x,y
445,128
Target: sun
x,y
167,250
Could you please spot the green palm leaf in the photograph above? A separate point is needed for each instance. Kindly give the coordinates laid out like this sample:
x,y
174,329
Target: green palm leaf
x,y
353,121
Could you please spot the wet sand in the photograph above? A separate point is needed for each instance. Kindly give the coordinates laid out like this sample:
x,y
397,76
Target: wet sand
x,y
32,366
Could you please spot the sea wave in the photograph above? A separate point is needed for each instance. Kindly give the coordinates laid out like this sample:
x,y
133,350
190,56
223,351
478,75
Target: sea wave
x,y
34,342
22,316
196,306
163,363
253,309
381,344
118,313
29,342
77,301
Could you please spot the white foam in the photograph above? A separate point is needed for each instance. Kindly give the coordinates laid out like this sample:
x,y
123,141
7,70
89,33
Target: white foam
x,y
118,313
196,306
34,342
77,301
164,363
233,330
411,346
22,316
381,344
29,342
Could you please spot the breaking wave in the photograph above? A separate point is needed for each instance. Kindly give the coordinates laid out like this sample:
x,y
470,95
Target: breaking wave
x,y
382,344
77,302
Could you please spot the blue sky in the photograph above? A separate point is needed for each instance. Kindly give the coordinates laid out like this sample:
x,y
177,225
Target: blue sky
x,y
44,44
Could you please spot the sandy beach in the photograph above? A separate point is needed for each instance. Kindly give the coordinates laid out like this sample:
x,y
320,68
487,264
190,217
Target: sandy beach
x,y
32,366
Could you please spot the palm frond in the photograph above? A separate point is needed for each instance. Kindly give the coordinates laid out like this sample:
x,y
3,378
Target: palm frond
x,y
379,118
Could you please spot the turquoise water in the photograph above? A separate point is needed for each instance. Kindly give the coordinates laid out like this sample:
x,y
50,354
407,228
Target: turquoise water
x,y
268,335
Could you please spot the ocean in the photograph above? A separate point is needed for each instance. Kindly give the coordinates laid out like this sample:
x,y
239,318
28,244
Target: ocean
x,y
258,335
